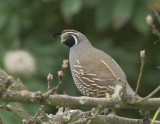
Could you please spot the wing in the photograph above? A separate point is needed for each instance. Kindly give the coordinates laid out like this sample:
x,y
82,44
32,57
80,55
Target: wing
x,y
94,77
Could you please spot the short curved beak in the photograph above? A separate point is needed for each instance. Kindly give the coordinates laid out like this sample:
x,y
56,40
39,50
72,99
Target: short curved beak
x,y
63,38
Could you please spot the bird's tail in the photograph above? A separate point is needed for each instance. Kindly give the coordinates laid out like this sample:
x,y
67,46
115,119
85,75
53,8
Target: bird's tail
x,y
129,90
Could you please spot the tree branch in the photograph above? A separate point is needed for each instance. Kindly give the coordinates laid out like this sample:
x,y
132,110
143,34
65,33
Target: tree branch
x,y
80,117
142,56
73,102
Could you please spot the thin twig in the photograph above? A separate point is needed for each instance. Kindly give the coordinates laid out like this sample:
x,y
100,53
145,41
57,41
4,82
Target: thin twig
x,y
4,86
15,83
155,30
12,110
150,95
155,116
3,74
22,110
142,56
149,21
60,75
18,83
49,78
40,110
95,114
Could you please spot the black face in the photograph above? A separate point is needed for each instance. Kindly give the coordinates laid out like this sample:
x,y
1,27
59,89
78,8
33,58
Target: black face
x,y
70,41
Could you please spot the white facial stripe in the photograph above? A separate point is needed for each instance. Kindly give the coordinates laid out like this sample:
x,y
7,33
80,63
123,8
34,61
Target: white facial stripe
x,y
76,41
71,33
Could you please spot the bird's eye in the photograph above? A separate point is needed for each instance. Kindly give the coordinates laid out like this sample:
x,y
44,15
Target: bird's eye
x,y
69,36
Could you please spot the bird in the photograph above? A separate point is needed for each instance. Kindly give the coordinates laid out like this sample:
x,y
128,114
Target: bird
x,y
95,73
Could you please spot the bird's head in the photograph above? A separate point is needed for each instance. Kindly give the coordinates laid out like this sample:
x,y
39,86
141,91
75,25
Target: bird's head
x,y
70,37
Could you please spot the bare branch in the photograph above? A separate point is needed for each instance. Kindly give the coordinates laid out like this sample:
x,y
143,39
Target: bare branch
x,y
74,102
33,119
22,110
4,86
142,56
154,29
3,74
79,117
150,95
18,84
49,78
60,75
12,110
95,114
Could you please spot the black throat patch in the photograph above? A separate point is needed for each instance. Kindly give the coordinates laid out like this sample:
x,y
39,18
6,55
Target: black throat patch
x,y
70,41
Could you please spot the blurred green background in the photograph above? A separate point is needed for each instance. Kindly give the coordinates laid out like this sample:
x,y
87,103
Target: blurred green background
x,y
117,27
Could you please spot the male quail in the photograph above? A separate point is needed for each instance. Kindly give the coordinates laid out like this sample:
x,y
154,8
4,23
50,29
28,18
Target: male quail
x,y
94,72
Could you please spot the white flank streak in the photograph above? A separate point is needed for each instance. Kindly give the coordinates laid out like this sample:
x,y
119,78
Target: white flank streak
x,y
81,80
87,88
76,41
96,85
81,71
78,66
77,75
86,84
80,86
88,79
111,87
109,68
94,90
97,79
76,82
76,71
90,74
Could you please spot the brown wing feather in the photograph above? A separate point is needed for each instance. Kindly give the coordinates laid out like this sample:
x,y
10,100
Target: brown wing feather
x,y
95,80
97,74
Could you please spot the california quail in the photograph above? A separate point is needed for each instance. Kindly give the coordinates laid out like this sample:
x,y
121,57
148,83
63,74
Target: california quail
x,y
94,72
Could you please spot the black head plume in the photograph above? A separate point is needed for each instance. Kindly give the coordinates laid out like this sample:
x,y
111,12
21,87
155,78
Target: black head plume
x,y
55,34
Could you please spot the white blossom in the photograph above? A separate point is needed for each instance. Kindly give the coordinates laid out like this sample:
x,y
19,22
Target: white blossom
x,y
20,62
149,20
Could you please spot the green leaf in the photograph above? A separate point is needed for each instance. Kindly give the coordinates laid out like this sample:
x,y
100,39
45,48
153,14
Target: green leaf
x,y
121,13
70,7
